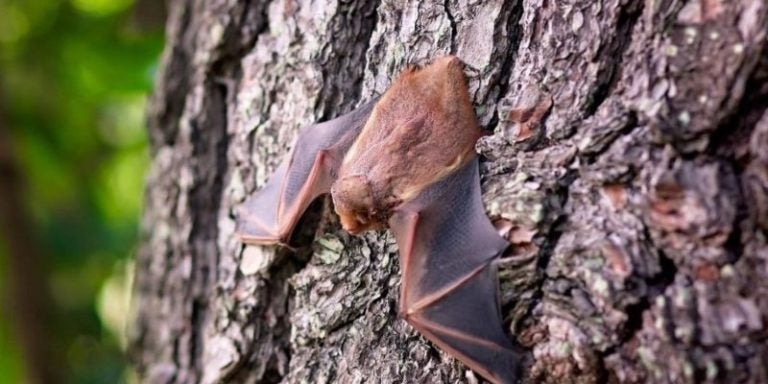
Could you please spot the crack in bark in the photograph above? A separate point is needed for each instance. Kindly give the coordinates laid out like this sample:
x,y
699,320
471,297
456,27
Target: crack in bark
x,y
205,198
656,286
751,107
508,55
452,21
612,56
167,104
341,64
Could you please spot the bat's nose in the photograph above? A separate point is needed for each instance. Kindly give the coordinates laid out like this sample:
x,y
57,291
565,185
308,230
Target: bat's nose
x,y
349,222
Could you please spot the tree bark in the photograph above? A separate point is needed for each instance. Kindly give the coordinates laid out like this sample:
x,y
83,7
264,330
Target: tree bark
x,y
627,158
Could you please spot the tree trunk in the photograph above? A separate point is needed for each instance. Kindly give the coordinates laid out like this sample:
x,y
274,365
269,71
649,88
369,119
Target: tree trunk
x,y
628,160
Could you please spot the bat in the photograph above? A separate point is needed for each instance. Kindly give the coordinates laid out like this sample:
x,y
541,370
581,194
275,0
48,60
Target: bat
x,y
406,161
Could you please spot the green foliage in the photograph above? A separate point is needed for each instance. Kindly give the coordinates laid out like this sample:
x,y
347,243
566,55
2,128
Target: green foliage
x,y
74,77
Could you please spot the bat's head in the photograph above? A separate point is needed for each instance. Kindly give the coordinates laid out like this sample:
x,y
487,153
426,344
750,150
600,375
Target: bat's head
x,y
356,205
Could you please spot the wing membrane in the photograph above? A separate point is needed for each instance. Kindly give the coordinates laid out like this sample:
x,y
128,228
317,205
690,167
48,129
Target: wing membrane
x,y
270,215
449,291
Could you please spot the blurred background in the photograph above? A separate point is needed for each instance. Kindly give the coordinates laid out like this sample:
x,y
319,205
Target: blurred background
x,y
74,79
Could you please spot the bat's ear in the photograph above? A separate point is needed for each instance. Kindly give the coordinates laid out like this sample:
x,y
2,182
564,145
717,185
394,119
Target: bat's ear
x,y
449,61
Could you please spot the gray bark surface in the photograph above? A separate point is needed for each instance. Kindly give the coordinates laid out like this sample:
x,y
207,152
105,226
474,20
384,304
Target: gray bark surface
x,y
627,158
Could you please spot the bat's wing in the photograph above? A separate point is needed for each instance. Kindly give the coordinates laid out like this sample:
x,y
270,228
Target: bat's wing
x,y
449,289
269,216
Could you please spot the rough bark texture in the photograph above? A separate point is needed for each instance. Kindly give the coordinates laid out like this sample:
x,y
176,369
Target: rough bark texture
x,y
628,159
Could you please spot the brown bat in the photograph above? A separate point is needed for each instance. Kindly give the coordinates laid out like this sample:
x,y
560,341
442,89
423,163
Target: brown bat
x,y
407,162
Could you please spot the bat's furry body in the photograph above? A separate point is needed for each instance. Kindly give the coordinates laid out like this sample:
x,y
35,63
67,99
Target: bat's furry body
x,y
420,130
407,162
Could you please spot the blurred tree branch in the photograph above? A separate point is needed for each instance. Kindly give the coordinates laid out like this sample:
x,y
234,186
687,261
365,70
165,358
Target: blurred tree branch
x,y
30,301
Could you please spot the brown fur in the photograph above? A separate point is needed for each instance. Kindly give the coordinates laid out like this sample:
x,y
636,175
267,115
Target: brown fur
x,y
422,129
